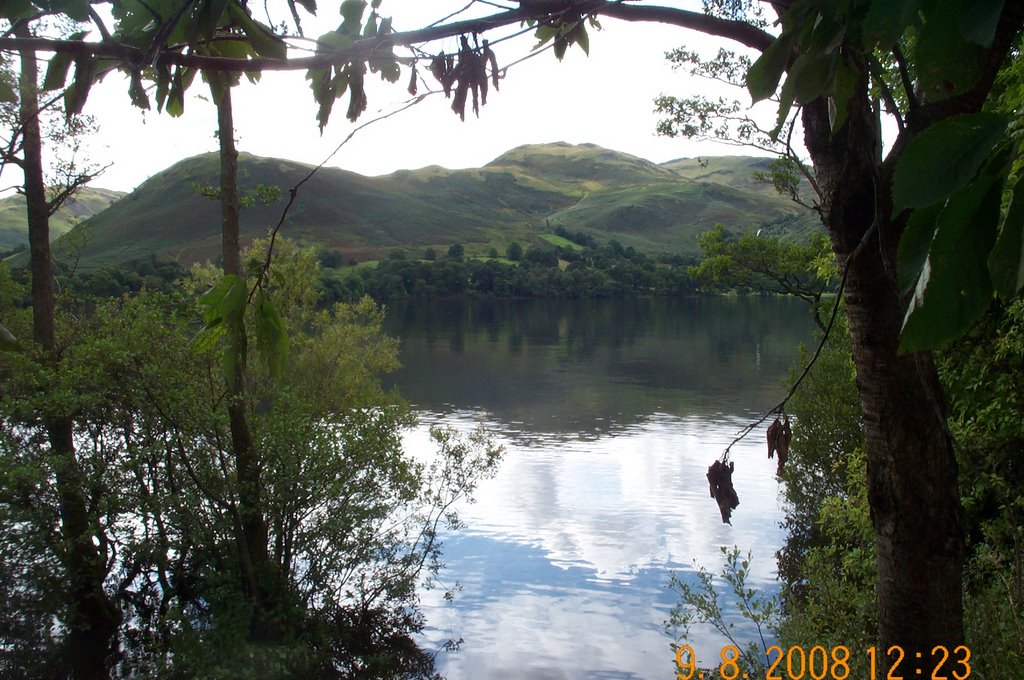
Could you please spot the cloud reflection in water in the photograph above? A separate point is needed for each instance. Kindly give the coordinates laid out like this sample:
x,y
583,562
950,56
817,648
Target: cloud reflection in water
x,y
568,549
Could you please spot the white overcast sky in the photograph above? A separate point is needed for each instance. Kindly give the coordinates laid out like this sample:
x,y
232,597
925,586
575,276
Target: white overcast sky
x,y
606,99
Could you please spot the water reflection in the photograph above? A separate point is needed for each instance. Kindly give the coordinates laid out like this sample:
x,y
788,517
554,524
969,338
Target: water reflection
x,y
567,556
584,367
611,413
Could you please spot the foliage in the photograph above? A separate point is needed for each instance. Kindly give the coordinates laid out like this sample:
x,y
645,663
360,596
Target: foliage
x,y
608,271
767,264
959,245
982,376
828,428
701,604
66,171
150,273
834,603
353,521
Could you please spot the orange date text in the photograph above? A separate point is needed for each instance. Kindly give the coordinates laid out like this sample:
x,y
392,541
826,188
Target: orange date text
x,y
831,663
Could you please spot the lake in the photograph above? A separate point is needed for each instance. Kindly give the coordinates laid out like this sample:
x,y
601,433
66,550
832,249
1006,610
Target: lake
x,y
611,412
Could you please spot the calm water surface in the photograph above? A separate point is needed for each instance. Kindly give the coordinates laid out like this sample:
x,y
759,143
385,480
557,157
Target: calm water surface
x,y
611,412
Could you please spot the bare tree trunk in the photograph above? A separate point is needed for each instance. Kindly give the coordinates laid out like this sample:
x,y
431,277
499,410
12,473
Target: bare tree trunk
x,y
93,619
258,573
912,470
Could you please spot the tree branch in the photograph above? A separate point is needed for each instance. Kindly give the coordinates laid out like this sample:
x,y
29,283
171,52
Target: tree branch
x,y
738,31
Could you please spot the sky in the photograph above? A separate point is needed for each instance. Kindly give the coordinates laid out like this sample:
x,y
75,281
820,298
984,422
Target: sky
x,y
605,99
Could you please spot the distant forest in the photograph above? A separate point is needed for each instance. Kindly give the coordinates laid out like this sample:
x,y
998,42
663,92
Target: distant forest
x,y
577,267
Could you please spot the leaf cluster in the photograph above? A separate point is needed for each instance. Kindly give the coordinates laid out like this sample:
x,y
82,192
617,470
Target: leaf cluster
x,y
767,265
953,180
465,74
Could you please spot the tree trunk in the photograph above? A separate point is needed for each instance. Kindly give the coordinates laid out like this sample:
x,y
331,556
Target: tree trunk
x,y
35,200
258,572
92,617
912,470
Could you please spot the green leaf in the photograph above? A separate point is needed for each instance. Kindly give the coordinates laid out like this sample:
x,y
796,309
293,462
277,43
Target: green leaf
x,y
352,16
915,243
845,87
224,317
387,67
764,74
978,20
271,336
579,35
76,9
887,19
1006,262
137,92
357,95
176,95
561,45
827,36
76,95
812,75
309,5
370,29
944,158
57,72
953,289
264,41
163,84
786,97
12,10
544,34
333,40
218,85
946,64
223,299
7,93
208,17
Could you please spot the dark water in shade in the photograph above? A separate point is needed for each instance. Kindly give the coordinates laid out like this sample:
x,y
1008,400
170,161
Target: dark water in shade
x,y
610,412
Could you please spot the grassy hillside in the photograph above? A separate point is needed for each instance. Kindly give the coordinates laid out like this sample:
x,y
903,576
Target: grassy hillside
x,y
582,167
734,171
643,215
519,196
88,202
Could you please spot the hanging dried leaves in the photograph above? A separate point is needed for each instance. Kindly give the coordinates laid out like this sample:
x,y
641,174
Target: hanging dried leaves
x,y
784,438
773,437
412,81
466,75
779,436
720,481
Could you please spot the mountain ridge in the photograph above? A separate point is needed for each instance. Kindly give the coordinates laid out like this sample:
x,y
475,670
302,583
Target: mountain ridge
x,y
523,193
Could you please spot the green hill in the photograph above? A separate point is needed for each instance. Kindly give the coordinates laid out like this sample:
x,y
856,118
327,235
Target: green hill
x,y
521,195
86,203
734,171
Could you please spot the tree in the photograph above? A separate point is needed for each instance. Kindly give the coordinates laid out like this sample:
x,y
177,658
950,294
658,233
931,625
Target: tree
x,y
456,252
514,251
889,215
767,264
352,520
920,250
90,617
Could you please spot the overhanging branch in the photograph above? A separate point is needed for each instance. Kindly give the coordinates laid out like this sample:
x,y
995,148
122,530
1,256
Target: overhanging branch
x,y
133,57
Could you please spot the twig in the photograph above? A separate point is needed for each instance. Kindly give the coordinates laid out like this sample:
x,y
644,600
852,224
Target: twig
x,y
294,191
778,408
